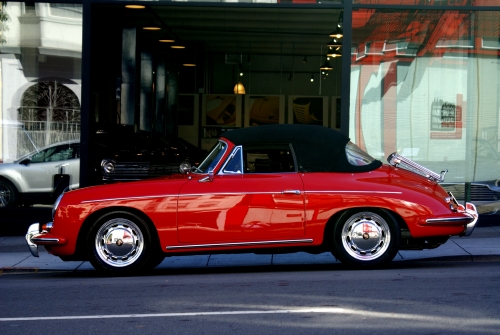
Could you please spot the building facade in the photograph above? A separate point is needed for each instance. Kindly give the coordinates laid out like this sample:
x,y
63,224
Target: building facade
x,y
417,77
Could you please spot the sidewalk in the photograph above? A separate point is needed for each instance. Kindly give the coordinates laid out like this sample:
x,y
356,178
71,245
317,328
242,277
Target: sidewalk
x,y
483,244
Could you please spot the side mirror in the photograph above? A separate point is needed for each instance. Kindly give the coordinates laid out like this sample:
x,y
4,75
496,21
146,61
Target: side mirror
x,y
185,167
25,161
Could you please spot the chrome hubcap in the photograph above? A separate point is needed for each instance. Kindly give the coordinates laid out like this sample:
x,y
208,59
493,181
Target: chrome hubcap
x,y
4,196
119,242
366,236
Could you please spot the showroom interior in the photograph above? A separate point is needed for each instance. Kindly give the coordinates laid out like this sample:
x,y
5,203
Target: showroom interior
x,y
392,74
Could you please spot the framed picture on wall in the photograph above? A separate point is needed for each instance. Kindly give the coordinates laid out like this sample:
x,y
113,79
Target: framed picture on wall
x,y
221,110
308,110
264,109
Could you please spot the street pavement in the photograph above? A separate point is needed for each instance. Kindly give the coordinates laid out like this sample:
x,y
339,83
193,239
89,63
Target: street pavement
x,y
482,245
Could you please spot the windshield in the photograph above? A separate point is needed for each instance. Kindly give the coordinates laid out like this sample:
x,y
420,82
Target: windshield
x,y
356,156
213,158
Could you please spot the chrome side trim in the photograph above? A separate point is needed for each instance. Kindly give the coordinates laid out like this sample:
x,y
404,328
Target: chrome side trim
x,y
32,230
237,244
465,220
228,193
44,239
130,198
344,191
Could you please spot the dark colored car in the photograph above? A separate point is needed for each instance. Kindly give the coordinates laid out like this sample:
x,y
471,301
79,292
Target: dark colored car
x,y
121,154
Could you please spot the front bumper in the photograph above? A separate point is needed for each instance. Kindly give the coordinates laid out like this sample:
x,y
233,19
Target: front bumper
x,y
36,236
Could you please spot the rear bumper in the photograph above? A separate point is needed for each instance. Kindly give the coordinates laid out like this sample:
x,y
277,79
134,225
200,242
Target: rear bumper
x,y
36,236
466,216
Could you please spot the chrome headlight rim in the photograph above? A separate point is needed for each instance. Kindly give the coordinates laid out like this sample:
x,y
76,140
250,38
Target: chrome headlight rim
x,y
108,166
56,203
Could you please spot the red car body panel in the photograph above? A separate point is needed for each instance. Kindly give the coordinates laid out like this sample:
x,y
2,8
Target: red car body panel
x,y
253,207
220,211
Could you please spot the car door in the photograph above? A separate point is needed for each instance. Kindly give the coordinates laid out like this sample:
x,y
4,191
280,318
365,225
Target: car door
x,y
39,174
243,203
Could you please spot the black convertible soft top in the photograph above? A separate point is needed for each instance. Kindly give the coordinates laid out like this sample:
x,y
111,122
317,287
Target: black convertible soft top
x,y
317,148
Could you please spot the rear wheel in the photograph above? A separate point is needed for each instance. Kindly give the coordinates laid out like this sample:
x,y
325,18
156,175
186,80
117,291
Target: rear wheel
x,y
121,243
9,196
366,238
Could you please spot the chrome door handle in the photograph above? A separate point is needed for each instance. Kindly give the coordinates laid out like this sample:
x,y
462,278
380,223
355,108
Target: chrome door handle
x,y
290,192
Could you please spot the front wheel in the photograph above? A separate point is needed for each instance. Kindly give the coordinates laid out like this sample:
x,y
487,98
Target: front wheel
x,y
121,243
9,196
366,238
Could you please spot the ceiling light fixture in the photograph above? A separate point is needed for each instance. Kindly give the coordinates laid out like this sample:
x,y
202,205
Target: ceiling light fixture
x,y
135,6
189,64
334,52
239,88
178,47
304,60
312,77
338,33
167,40
151,26
326,66
335,42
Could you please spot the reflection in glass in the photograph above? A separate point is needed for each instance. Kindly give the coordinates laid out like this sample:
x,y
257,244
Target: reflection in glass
x,y
426,84
40,83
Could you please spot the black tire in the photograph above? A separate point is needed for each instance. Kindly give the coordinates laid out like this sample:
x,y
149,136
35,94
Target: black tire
x,y
366,238
9,196
131,247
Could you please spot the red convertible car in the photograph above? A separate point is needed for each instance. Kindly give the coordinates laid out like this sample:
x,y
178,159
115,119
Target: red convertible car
x,y
265,189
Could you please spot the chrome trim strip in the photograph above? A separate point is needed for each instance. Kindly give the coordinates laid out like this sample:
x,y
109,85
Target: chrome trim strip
x,y
237,244
44,239
177,195
454,219
377,192
131,198
228,193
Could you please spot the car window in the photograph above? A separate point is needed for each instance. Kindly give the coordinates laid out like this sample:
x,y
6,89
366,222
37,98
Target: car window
x,y
235,163
268,159
356,156
213,157
55,154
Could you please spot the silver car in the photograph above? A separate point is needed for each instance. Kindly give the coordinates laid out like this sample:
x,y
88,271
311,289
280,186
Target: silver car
x,y
39,177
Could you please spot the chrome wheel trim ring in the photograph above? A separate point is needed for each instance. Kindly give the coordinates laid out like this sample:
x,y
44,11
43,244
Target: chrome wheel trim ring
x,y
119,242
4,196
366,236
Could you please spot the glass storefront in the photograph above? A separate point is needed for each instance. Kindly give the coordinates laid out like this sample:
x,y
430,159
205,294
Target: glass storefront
x,y
422,80
426,84
40,96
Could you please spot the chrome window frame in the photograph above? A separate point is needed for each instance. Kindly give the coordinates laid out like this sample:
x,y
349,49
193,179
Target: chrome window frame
x,y
218,162
237,149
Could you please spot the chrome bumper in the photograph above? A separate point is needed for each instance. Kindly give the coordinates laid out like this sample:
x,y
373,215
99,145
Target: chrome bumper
x,y
470,208
33,230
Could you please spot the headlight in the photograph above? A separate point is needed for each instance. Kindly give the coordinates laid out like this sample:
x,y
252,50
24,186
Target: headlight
x,y
107,166
56,204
